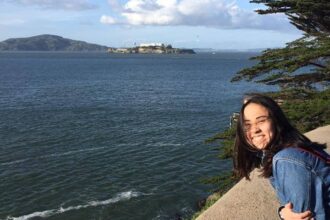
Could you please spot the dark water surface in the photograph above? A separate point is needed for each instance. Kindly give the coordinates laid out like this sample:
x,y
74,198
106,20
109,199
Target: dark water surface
x,y
99,136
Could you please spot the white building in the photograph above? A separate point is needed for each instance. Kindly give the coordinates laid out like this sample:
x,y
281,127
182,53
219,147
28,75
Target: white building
x,y
151,45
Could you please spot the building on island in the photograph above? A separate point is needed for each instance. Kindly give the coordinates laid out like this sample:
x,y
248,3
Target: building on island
x,y
152,48
152,45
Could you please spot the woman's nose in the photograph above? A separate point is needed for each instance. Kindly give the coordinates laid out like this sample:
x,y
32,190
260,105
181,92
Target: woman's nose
x,y
255,129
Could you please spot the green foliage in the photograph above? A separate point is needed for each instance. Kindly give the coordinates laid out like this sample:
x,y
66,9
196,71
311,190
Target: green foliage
x,y
302,62
227,134
223,183
226,151
310,16
208,203
226,140
309,113
306,109
280,66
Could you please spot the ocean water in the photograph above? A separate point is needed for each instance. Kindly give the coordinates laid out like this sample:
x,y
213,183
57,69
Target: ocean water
x,y
100,136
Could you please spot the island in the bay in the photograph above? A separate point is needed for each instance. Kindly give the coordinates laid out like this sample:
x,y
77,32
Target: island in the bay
x,y
153,48
47,42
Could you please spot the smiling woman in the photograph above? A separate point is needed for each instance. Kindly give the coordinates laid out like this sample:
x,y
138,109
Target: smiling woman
x,y
257,126
298,169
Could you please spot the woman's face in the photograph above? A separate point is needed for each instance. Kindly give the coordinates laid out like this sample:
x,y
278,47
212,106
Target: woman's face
x,y
257,125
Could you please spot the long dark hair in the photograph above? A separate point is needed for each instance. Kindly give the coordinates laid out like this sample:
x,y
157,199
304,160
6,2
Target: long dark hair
x,y
247,157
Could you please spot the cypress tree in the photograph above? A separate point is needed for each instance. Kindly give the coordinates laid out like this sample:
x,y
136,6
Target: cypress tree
x,y
303,62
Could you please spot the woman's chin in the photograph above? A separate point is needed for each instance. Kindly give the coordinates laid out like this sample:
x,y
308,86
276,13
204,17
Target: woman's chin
x,y
260,146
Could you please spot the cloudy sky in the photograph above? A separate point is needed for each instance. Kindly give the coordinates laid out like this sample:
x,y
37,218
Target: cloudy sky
x,y
217,24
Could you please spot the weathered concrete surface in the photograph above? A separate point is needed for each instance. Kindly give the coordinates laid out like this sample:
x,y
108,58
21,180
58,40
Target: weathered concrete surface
x,y
255,199
321,135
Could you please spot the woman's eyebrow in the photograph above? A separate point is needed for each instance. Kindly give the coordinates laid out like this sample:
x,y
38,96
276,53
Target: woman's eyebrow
x,y
262,116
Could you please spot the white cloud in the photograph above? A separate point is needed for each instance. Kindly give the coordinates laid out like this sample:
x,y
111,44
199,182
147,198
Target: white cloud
x,y
208,13
76,5
107,19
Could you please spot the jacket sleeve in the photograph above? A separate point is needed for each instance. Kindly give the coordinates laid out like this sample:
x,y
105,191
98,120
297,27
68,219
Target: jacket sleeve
x,y
294,183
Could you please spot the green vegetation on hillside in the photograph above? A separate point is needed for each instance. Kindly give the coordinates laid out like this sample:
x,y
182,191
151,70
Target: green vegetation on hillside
x,y
48,42
306,110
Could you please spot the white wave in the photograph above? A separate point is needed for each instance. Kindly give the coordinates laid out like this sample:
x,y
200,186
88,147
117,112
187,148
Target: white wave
x,y
161,144
129,144
53,155
72,152
43,214
14,162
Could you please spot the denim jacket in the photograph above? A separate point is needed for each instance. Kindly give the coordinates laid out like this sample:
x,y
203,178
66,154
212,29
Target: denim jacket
x,y
303,179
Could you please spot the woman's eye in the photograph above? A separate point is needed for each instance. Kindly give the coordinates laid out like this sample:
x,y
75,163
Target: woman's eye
x,y
261,121
247,126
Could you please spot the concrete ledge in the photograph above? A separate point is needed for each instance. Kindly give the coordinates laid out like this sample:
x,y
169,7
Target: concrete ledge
x,y
255,199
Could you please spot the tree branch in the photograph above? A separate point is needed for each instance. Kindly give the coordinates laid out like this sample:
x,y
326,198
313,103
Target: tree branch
x,y
317,64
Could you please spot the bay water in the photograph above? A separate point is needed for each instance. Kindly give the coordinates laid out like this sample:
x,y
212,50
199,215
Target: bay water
x,y
113,136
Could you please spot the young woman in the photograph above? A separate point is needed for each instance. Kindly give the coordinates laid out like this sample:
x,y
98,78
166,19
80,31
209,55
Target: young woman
x,y
298,169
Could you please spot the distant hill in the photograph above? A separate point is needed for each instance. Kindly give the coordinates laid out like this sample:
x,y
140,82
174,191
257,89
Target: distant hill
x,y
48,42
